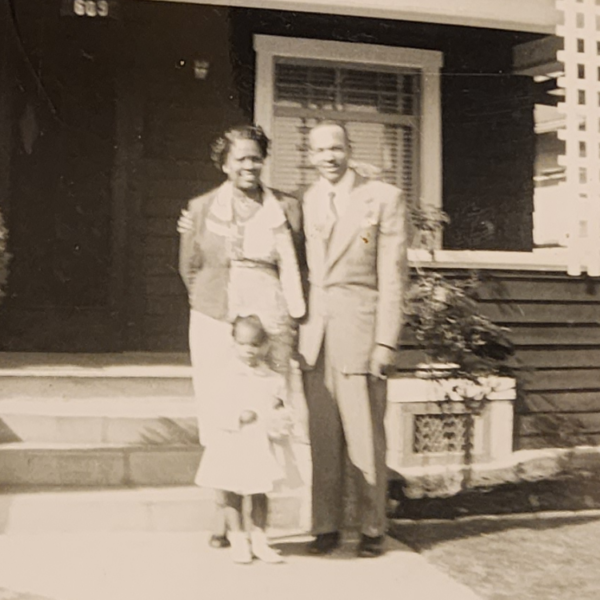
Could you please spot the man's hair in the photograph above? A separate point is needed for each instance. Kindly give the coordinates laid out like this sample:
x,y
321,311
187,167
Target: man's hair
x,y
251,322
334,123
221,147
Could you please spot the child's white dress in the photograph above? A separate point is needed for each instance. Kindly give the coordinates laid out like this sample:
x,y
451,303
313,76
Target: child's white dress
x,y
240,458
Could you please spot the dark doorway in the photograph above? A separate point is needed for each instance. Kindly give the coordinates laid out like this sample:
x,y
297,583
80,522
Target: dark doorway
x,y
61,129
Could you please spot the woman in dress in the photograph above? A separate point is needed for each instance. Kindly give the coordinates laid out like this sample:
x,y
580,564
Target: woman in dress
x,y
238,257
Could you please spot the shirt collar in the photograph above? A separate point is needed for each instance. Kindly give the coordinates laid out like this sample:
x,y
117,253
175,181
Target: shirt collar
x,y
343,186
271,211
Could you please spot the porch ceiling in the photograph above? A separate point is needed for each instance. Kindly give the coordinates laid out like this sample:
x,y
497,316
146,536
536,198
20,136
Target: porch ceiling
x,y
538,16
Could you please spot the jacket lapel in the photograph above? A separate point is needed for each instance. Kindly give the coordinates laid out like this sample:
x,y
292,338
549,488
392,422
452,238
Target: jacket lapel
x,y
317,229
348,225
221,208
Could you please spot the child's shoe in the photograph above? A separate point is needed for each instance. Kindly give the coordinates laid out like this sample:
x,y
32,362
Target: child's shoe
x,y
261,548
240,549
218,541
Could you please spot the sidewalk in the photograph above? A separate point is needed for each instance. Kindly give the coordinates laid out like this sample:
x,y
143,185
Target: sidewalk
x,y
181,566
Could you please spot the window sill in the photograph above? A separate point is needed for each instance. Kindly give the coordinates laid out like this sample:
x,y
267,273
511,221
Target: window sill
x,y
546,259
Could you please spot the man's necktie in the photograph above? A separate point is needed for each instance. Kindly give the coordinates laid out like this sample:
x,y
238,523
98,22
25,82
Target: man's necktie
x,y
332,208
333,215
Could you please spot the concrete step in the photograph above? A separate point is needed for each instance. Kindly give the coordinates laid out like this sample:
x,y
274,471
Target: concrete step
x,y
114,465
81,363
146,375
130,509
116,420
23,386
97,465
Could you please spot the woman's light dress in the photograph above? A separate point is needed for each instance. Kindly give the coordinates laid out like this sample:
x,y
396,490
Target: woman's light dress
x,y
264,276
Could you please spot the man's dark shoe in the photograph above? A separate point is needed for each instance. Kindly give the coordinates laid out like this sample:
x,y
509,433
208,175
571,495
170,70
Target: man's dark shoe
x,y
324,543
370,547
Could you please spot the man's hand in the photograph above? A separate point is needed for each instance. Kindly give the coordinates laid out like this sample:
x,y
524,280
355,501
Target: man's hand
x,y
383,361
185,222
247,417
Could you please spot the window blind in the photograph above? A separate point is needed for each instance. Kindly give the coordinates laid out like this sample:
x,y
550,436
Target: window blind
x,y
380,108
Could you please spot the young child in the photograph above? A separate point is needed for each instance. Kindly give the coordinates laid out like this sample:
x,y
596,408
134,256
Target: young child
x,y
239,460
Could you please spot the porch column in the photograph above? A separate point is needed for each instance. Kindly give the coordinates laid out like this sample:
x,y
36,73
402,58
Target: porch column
x,y
580,57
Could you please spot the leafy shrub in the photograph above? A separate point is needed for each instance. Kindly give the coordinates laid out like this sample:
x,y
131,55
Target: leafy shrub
x,y
444,314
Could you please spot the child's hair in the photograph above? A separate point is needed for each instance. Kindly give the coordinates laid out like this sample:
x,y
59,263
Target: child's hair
x,y
252,322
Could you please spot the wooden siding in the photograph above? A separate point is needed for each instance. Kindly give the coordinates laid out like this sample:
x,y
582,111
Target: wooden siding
x,y
555,325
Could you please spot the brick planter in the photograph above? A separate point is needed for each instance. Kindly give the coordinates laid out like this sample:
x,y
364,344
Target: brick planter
x,y
427,422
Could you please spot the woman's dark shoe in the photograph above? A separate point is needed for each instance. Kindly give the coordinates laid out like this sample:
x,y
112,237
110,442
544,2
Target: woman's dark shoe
x,y
324,543
370,547
219,541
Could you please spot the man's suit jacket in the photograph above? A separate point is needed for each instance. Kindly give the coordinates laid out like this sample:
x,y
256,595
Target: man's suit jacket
x,y
357,271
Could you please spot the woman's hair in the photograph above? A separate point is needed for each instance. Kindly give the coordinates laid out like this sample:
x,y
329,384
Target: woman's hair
x,y
251,322
222,145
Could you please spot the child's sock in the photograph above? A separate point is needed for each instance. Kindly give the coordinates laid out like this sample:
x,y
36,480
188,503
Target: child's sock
x,y
240,549
261,548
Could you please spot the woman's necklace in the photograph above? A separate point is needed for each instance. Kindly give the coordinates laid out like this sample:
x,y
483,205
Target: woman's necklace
x,y
244,208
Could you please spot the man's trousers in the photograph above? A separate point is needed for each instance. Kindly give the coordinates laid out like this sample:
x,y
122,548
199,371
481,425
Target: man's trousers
x,y
346,419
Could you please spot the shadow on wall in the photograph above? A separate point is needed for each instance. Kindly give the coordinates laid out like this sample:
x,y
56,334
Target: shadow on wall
x,y
171,431
560,431
7,436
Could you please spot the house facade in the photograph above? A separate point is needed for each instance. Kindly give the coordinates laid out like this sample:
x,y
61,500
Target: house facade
x,y
108,109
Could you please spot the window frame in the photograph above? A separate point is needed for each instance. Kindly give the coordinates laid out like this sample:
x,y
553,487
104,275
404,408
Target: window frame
x,y
428,62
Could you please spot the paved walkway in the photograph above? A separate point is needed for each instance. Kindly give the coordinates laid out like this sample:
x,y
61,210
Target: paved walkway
x,y
181,566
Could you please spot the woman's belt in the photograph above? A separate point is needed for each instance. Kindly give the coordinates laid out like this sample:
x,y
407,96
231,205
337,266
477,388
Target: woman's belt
x,y
262,265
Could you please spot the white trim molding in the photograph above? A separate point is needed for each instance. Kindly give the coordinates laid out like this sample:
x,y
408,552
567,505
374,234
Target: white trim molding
x,y
540,259
538,16
428,62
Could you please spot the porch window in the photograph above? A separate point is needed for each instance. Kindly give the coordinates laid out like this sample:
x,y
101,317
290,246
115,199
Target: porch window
x,y
388,98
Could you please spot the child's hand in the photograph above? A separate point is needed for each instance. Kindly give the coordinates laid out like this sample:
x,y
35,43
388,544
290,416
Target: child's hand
x,y
247,417
280,423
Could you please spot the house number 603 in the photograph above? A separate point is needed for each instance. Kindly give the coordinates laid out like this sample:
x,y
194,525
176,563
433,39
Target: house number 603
x,y
90,8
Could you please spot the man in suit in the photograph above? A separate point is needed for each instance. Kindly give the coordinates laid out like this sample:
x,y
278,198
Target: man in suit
x,y
356,252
